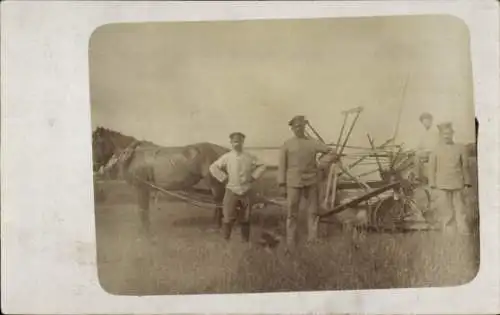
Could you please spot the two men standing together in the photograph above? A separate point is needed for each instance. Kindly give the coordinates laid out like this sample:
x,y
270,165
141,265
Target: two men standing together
x,y
443,166
297,179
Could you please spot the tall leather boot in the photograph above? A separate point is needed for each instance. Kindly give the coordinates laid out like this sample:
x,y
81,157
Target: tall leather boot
x,y
245,232
226,230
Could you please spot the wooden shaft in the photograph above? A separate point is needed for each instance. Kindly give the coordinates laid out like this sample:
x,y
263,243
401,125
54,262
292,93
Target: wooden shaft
x,y
372,144
354,202
315,132
349,133
393,162
364,157
328,185
361,183
341,133
334,188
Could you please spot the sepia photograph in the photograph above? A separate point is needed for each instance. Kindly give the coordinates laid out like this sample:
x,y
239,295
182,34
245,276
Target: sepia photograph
x,y
284,155
269,157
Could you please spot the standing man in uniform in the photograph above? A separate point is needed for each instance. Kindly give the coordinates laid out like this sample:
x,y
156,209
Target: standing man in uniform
x,y
449,177
429,138
238,169
298,178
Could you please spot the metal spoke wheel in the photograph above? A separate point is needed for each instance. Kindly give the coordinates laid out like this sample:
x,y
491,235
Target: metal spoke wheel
x,y
389,214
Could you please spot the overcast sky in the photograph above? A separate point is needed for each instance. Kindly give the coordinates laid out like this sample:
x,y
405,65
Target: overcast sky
x,y
179,83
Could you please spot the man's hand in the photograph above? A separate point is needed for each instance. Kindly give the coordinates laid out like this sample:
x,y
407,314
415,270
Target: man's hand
x,y
467,188
282,190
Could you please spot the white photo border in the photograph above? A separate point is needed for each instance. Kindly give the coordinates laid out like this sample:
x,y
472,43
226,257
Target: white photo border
x,y
48,223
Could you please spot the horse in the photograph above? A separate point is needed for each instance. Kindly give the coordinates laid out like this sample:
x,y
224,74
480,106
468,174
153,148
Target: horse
x,y
146,167
105,144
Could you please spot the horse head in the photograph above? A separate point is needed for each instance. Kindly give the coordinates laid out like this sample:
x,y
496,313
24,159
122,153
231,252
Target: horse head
x,y
106,144
103,147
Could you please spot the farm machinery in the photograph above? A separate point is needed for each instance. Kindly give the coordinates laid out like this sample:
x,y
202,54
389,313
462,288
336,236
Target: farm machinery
x,y
395,200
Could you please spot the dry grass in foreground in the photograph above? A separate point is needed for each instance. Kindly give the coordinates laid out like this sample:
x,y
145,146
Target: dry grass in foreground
x,y
188,258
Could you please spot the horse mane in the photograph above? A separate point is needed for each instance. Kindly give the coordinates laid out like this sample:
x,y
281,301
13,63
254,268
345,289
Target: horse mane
x,y
113,135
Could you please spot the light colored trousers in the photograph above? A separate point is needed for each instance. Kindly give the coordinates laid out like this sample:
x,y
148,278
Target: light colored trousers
x,y
294,197
451,205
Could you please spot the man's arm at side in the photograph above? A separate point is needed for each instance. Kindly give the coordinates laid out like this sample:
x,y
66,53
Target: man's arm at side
x,y
464,157
432,169
282,166
217,169
259,168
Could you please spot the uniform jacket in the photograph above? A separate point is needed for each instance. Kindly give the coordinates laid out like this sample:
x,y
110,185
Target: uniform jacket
x,y
297,163
449,167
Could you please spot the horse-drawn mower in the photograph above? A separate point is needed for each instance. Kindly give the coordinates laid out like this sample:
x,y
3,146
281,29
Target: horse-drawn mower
x,y
377,179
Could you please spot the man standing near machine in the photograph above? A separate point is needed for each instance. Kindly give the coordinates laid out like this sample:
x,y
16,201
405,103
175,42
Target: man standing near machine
x,y
449,177
298,178
427,142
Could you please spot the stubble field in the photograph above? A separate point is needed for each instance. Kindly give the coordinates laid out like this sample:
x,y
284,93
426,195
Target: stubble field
x,y
185,255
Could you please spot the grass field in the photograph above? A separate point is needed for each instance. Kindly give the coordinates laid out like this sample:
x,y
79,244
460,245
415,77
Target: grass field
x,y
186,256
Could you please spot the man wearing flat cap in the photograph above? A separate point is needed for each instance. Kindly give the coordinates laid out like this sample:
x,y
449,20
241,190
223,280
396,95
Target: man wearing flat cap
x,y
238,169
449,177
298,178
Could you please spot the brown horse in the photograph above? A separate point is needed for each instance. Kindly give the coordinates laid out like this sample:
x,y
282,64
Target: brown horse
x,y
105,144
147,166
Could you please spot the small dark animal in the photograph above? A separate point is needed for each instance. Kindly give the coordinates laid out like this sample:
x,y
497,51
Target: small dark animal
x,y
269,240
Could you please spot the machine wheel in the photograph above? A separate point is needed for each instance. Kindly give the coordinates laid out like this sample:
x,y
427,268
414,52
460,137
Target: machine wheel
x,y
389,214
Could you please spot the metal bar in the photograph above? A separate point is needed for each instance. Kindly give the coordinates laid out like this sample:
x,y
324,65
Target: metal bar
x,y
353,110
365,156
393,162
359,200
362,184
341,133
349,133
353,186
396,130
315,132
334,189
368,173
329,184
372,144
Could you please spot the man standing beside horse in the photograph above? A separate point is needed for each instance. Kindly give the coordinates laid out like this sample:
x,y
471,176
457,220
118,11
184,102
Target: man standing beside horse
x,y
238,169
298,177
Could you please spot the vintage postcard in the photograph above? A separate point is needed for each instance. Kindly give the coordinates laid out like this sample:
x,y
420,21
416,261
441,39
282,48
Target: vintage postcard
x,y
344,156
388,100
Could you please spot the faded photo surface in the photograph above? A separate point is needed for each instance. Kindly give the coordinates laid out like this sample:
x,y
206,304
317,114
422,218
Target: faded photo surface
x,y
284,155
